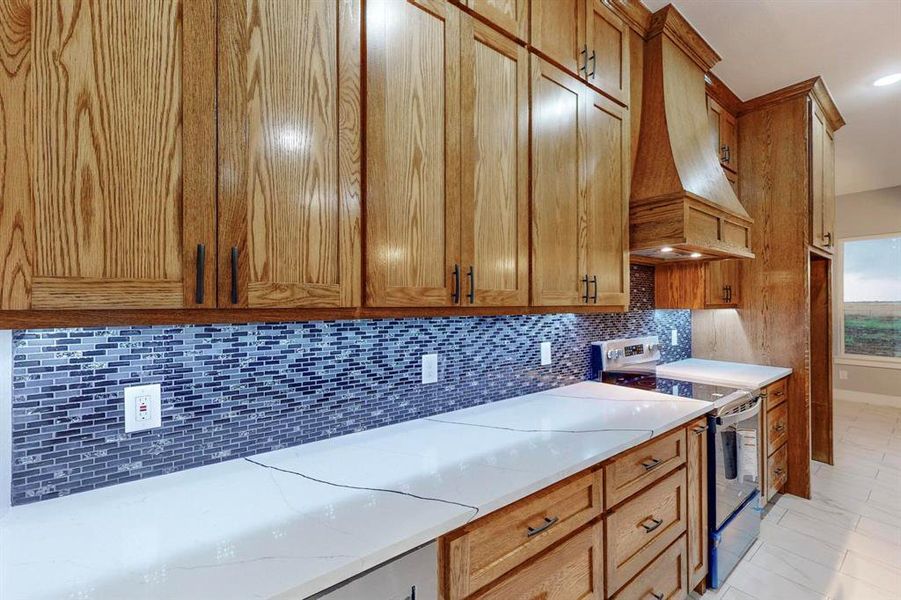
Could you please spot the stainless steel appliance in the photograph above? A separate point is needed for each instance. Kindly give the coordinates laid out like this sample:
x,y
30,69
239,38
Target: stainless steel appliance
x,y
734,426
411,576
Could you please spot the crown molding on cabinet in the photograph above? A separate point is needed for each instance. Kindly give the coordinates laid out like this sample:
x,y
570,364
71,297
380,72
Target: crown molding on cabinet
x,y
815,86
670,22
720,92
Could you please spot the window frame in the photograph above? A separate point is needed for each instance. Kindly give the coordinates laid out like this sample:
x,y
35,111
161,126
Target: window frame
x,y
842,357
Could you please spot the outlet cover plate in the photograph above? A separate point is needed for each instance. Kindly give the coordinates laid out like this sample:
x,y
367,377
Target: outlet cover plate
x,y
149,415
545,353
429,368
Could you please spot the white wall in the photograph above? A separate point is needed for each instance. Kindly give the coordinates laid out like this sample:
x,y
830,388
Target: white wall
x,y
867,213
6,417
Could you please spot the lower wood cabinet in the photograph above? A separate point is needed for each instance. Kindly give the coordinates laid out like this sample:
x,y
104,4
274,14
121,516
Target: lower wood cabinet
x,y
774,451
571,570
666,578
560,544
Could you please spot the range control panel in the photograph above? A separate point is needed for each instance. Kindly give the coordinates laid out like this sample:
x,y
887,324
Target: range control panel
x,y
632,354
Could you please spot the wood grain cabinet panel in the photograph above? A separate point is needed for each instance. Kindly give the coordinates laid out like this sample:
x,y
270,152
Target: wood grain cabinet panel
x,y
722,285
558,32
289,153
723,134
607,38
696,474
817,197
638,468
572,570
777,471
494,78
643,527
777,427
580,175
413,152
483,551
666,578
606,210
511,16
107,154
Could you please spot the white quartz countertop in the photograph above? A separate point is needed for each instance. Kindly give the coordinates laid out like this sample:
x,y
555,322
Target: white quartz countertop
x,y
718,372
299,520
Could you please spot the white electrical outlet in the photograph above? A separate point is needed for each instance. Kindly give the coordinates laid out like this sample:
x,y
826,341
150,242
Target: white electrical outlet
x,y
429,368
545,353
142,407
842,374
674,337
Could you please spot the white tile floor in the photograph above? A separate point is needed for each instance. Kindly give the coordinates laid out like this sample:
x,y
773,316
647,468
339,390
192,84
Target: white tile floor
x,y
845,542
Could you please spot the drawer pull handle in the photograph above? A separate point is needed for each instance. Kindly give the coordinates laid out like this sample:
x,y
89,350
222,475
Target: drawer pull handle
x,y
656,523
779,428
659,596
548,522
650,464
779,471
700,429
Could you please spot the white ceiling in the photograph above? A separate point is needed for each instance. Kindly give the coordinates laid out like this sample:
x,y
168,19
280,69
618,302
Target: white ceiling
x,y
768,44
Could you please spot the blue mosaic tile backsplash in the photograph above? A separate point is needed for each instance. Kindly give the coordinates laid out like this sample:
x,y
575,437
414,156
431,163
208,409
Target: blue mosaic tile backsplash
x,y
236,390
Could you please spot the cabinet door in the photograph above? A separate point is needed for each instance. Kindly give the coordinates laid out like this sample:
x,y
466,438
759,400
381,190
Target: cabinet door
x,y
511,16
606,233
413,153
107,155
722,283
558,32
828,190
494,72
558,184
289,198
817,134
697,502
729,140
607,38
714,112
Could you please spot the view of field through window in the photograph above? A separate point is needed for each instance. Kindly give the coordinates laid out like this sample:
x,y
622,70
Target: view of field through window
x,y
872,296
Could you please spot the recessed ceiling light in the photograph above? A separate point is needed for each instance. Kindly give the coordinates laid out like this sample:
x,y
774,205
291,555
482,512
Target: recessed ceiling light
x,y
666,249
888,80
696,255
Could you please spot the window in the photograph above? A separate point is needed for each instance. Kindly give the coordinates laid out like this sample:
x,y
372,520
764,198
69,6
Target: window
x,y
870,315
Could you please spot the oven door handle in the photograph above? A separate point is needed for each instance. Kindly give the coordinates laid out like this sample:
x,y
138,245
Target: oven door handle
x,y
732,419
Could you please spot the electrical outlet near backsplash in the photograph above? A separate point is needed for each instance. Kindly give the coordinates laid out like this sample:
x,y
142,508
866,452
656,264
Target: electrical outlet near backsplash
x,y
235,390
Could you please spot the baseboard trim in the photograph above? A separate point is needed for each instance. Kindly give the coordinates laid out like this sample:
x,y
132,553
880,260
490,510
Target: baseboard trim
x,y
867,398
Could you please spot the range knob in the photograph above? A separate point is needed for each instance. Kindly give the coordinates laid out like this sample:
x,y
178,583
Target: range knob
x,y
612,354
652,347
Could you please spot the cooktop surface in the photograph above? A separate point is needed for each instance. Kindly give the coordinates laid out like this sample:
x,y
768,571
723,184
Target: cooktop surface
x,y
674,387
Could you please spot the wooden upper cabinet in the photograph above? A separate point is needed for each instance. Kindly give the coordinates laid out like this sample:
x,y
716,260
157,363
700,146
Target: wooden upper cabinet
x,y
558,183
107,168
587,39
289,153
708,284
607,39
413,152
722,287
723,134
580,175
606,209
822,180
558,32
494,72
511,16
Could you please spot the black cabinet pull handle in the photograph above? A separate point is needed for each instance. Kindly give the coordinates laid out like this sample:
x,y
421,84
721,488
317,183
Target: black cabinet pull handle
x,y
594,295
658,596
548,522
472,285
234,274
584,53
455,294
649,528
585,281
199,274
651,464
700,429
725,294
594,63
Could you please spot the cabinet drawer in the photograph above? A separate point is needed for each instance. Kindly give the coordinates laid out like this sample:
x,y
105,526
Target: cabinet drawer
x,y
776,428
777,469
665,578
777,393
572,569
643,527
486,549
646,464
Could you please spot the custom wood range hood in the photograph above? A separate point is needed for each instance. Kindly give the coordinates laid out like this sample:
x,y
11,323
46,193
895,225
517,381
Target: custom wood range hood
x,y
681,200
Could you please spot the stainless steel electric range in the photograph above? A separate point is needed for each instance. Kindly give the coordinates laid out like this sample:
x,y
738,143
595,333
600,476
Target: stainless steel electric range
x,y
734,426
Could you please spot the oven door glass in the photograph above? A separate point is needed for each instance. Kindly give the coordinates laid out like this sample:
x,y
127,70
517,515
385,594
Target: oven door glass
x,y
737,458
